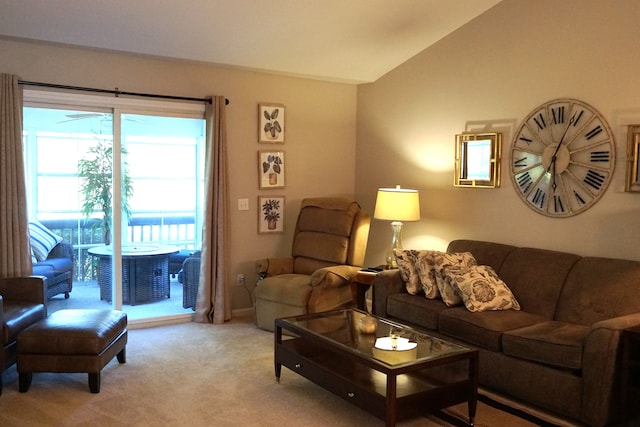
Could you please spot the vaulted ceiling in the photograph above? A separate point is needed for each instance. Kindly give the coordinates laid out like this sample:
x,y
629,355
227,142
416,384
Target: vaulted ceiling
x,y
351,41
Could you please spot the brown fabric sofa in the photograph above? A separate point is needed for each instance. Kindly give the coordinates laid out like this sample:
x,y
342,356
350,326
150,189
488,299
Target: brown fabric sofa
x,y
560,352
22,303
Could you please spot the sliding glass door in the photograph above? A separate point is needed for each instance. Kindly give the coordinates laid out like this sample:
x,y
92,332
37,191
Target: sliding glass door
x,y
123,186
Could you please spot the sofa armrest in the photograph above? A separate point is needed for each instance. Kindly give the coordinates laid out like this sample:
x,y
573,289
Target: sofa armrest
x,y
600,362
387,282
267,267
29,289
62,250
333,276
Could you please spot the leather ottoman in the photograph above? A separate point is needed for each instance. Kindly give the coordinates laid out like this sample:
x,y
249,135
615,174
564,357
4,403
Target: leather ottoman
x,y
72,341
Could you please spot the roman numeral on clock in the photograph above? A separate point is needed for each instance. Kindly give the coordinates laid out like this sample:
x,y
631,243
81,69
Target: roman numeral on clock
x,y
593,132
579,197
558,115
524,181
576,117
600,156
538,198
594,179
527,140
520,163
540,121
557,204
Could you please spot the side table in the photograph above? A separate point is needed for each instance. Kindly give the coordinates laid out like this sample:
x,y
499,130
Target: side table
x,y
360,284
630,372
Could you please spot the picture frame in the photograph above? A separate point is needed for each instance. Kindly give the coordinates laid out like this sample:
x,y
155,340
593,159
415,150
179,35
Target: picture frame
x,y
632,181
271,123
271,169
270,214
477,160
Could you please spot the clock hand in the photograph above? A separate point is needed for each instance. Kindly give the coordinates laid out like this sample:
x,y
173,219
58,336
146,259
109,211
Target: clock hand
x,y
553,158
553,184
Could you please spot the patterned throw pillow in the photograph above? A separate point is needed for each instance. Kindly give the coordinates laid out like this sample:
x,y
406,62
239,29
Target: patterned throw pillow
x,y
427,273
481,289
42,240
407,266
446,267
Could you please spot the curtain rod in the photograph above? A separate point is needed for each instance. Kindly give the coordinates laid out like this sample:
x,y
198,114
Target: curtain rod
x,y
118,92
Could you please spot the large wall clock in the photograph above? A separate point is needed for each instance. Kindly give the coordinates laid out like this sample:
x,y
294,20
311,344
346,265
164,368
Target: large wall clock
x,y
562,158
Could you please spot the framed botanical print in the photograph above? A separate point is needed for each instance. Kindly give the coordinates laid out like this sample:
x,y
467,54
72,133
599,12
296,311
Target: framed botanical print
x,y
271,214
271,123
271,168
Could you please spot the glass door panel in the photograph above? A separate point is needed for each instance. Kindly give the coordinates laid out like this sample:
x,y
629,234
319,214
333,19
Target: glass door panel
x,y
160,187
162,172
57,142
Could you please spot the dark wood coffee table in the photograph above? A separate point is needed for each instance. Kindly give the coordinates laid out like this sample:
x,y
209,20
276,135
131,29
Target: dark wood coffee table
x,y
329,349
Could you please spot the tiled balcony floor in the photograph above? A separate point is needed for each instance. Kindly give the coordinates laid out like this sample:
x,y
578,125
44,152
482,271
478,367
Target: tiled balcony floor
x,y
87,295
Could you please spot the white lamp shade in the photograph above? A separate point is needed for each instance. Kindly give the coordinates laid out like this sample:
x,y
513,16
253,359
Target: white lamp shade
x,y
397,204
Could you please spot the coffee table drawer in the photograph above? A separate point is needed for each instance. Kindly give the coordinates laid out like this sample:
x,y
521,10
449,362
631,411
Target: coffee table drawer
x,y
319,368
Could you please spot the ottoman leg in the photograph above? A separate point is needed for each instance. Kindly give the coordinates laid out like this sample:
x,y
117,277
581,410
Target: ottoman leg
x,y
122,356
94,382
24,381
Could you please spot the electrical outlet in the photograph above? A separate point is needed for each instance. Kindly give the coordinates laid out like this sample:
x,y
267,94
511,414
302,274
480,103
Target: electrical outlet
x,y
240,280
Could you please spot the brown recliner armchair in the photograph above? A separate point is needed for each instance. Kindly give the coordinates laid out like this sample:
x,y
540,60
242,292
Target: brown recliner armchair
x,y
329,244
23,302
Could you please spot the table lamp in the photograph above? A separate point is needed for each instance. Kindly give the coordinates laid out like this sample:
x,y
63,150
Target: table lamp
x,y
397,205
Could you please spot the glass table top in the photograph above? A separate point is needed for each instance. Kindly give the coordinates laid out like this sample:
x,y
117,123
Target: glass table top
x,y
373,337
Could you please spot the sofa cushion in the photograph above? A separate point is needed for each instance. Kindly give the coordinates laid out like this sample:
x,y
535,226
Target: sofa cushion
x,y
484,329
416,310
481,289
553,343
536,278
446,267
447,289
594,280
407,267
42,239
59,265
43,270
427,273
485,253
289,289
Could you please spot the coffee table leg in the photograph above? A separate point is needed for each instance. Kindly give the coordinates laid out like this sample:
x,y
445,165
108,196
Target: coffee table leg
x,y
278,342
390,412
472,412
473,377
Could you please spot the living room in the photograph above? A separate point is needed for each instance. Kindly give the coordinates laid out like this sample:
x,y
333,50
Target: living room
x,y
400,129
348,139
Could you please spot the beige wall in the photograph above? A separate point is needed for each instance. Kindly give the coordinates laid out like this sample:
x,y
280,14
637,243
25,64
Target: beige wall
x,y
491,73
320,118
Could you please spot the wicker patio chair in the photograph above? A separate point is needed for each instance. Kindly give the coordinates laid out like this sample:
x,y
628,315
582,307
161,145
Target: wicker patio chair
x,y
190,278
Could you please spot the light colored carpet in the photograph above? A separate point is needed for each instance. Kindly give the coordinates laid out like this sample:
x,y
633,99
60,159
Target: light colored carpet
x,y
197,375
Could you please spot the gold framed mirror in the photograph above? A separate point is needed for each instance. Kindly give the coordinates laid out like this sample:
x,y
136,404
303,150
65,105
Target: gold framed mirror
x,y
478,160
633,143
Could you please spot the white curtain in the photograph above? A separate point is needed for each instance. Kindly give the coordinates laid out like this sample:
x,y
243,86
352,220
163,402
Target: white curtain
x,y
213,305
15,256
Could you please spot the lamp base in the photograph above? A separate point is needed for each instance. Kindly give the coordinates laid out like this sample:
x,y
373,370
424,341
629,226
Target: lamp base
x,y
396,243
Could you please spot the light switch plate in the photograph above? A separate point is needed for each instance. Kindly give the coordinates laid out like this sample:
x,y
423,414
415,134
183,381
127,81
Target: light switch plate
x,y
243,204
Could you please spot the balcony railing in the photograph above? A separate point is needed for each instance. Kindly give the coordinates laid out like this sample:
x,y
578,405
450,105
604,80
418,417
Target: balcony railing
x,y
83,235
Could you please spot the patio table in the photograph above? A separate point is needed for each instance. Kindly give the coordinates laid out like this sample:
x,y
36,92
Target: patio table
x,y
145,272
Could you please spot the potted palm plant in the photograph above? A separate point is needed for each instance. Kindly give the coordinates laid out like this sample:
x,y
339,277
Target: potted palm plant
x,y
96,173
